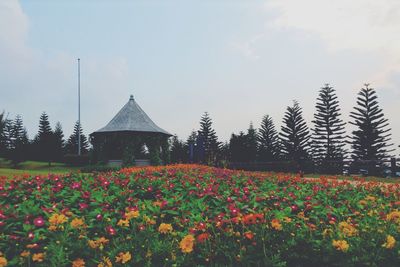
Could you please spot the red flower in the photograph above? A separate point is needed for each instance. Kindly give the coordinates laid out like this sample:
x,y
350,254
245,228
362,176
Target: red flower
x,y
201,238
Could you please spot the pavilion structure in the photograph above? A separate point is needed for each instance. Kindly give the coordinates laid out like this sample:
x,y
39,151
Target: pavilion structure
x,y
131,137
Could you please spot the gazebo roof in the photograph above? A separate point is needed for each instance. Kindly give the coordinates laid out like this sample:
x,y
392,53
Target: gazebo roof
x,y
132,118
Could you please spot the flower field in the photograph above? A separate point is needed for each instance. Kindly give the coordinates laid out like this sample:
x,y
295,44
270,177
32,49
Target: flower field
x,y
190,215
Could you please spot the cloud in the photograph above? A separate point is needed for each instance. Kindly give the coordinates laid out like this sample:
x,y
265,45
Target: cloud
x,y
367,26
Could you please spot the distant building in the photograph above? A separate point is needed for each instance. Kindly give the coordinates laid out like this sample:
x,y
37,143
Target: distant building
x,y
131,134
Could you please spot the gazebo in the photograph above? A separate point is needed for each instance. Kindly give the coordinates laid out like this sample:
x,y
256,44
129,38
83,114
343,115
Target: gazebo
x,y
131,137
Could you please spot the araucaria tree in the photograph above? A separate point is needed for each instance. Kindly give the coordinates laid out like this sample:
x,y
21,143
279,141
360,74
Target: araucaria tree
x,y
44,140
58,142
209,139
295,136
268,149
328,133
19,142
369,141
72,143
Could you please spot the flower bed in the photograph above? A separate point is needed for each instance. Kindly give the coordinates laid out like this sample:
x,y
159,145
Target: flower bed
x,y
195,215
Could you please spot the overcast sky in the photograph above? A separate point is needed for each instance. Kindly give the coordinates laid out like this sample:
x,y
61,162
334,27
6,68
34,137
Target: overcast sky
x,y
238,60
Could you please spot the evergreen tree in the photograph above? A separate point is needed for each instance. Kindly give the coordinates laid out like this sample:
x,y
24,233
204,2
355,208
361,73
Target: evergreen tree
x,y
3,137
58,142
268,140
295,136
190,146
251,144
178,150
238,146
328,133
369,141
209,140
44,140
72,143
19,142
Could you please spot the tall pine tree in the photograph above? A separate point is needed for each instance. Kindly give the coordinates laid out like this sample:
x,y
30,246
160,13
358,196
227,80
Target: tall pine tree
x,y
72,143
295,136
252,143
19,142
209,140
328,133
3,135
178,150
369,141
268,139
44,140
58,142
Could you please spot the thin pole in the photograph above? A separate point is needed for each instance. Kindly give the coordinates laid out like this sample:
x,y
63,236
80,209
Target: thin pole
x,y
79,106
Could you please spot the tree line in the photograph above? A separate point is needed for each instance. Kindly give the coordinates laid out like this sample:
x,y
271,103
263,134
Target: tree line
x,y
48,144
321,148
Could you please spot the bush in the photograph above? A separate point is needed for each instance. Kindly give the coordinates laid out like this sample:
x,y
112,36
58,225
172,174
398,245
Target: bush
x,y
98,168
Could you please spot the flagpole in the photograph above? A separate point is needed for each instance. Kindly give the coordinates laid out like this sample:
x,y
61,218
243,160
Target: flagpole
x,y
79,106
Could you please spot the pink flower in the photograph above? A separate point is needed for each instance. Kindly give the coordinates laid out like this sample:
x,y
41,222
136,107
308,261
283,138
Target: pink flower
x,y
38,222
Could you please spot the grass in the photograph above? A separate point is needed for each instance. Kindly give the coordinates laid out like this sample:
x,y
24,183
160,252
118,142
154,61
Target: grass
x,y
34,168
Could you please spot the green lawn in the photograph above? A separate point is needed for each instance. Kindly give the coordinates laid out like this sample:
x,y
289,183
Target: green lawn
x,y
34,168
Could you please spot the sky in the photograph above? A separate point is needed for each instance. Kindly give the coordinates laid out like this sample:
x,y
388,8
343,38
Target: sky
x,y
237,60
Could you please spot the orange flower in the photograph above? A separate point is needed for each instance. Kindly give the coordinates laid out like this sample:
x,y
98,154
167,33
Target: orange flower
x,y
123,257
249,235
57,219
78,263
100,242
105,263
275,223
393,216
39,257
165,228
77,223
187,243
123,223
201,238
3,261
25,254
341,245
131,214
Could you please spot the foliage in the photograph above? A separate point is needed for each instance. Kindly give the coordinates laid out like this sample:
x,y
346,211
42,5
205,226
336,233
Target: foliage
x,y
369,140
43,142
189,215
209,140
19,142
268,148
328,133
72,144
295,135
179,151
128,159
58,142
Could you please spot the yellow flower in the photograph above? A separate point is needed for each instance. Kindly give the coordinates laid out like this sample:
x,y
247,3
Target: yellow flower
x,y
78,263
276,224
3,261
57,219
187,243
390,242
39,257
341,245
52,228
370,198
77,223
327,232
123,223
131,214
123,257
347,229
287,219
25,253
165,228
100,242
362,202
106,263
393,216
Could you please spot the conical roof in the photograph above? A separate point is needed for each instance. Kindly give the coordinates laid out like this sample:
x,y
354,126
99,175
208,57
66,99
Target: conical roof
x,y
132,118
